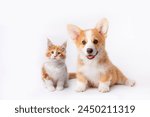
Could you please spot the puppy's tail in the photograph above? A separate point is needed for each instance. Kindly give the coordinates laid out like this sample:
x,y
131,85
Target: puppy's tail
x,y
72,75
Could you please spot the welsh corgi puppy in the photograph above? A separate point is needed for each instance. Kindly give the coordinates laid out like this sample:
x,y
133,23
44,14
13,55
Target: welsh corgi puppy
x,y
94,69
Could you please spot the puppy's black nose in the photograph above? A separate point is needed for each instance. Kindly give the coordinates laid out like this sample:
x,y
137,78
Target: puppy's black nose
x,y
89,50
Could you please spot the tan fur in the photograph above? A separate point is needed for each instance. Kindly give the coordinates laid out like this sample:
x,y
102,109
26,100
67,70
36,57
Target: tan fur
x,y
45,76
116,75
81,78
112,74
72,75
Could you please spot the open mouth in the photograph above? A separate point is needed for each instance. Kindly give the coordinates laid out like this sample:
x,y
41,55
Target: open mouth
x,y
92,56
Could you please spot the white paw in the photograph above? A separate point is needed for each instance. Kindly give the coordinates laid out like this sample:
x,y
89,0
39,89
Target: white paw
x,y
103,87
130,83
81,87
59,88
51,89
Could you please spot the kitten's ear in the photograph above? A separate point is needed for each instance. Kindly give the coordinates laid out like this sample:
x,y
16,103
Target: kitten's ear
x,y
74,31
64,45
49,43
102,26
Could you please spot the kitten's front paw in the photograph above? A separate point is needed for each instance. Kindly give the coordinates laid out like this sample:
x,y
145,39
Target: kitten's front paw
x,y
51,89
130,83
81,87
103,88
59,88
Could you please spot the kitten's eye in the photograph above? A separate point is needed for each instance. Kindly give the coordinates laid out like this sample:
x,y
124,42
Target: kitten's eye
x,y
83,42
58,53
52,52
95,41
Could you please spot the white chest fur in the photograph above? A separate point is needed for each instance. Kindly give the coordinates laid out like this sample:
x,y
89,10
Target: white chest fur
x,y
56,71
92,71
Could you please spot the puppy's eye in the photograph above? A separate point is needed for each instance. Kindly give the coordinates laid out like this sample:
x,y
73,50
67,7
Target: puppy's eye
x,y
95,41
83,42
52,52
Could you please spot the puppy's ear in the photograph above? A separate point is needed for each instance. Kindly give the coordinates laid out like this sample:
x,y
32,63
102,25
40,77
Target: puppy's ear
x,y
102,26
74,31
64,45
49,43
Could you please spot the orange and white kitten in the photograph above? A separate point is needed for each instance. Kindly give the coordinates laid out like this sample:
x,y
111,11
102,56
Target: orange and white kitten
x,y
54,71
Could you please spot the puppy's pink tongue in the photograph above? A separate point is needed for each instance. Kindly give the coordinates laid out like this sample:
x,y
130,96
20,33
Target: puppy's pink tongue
x,y
90,56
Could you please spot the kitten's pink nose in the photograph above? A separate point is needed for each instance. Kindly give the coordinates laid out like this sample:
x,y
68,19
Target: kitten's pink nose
x,y
55,56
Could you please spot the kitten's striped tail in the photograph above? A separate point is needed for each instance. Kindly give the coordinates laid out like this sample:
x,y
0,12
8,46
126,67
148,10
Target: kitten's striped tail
x,y
72,75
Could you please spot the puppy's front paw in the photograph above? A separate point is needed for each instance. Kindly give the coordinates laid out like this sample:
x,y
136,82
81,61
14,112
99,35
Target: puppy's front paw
x,y
59,88
51,89
81,87
130,83
103,87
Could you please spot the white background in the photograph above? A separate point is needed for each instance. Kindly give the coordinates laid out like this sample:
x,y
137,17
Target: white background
x,y
26,24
